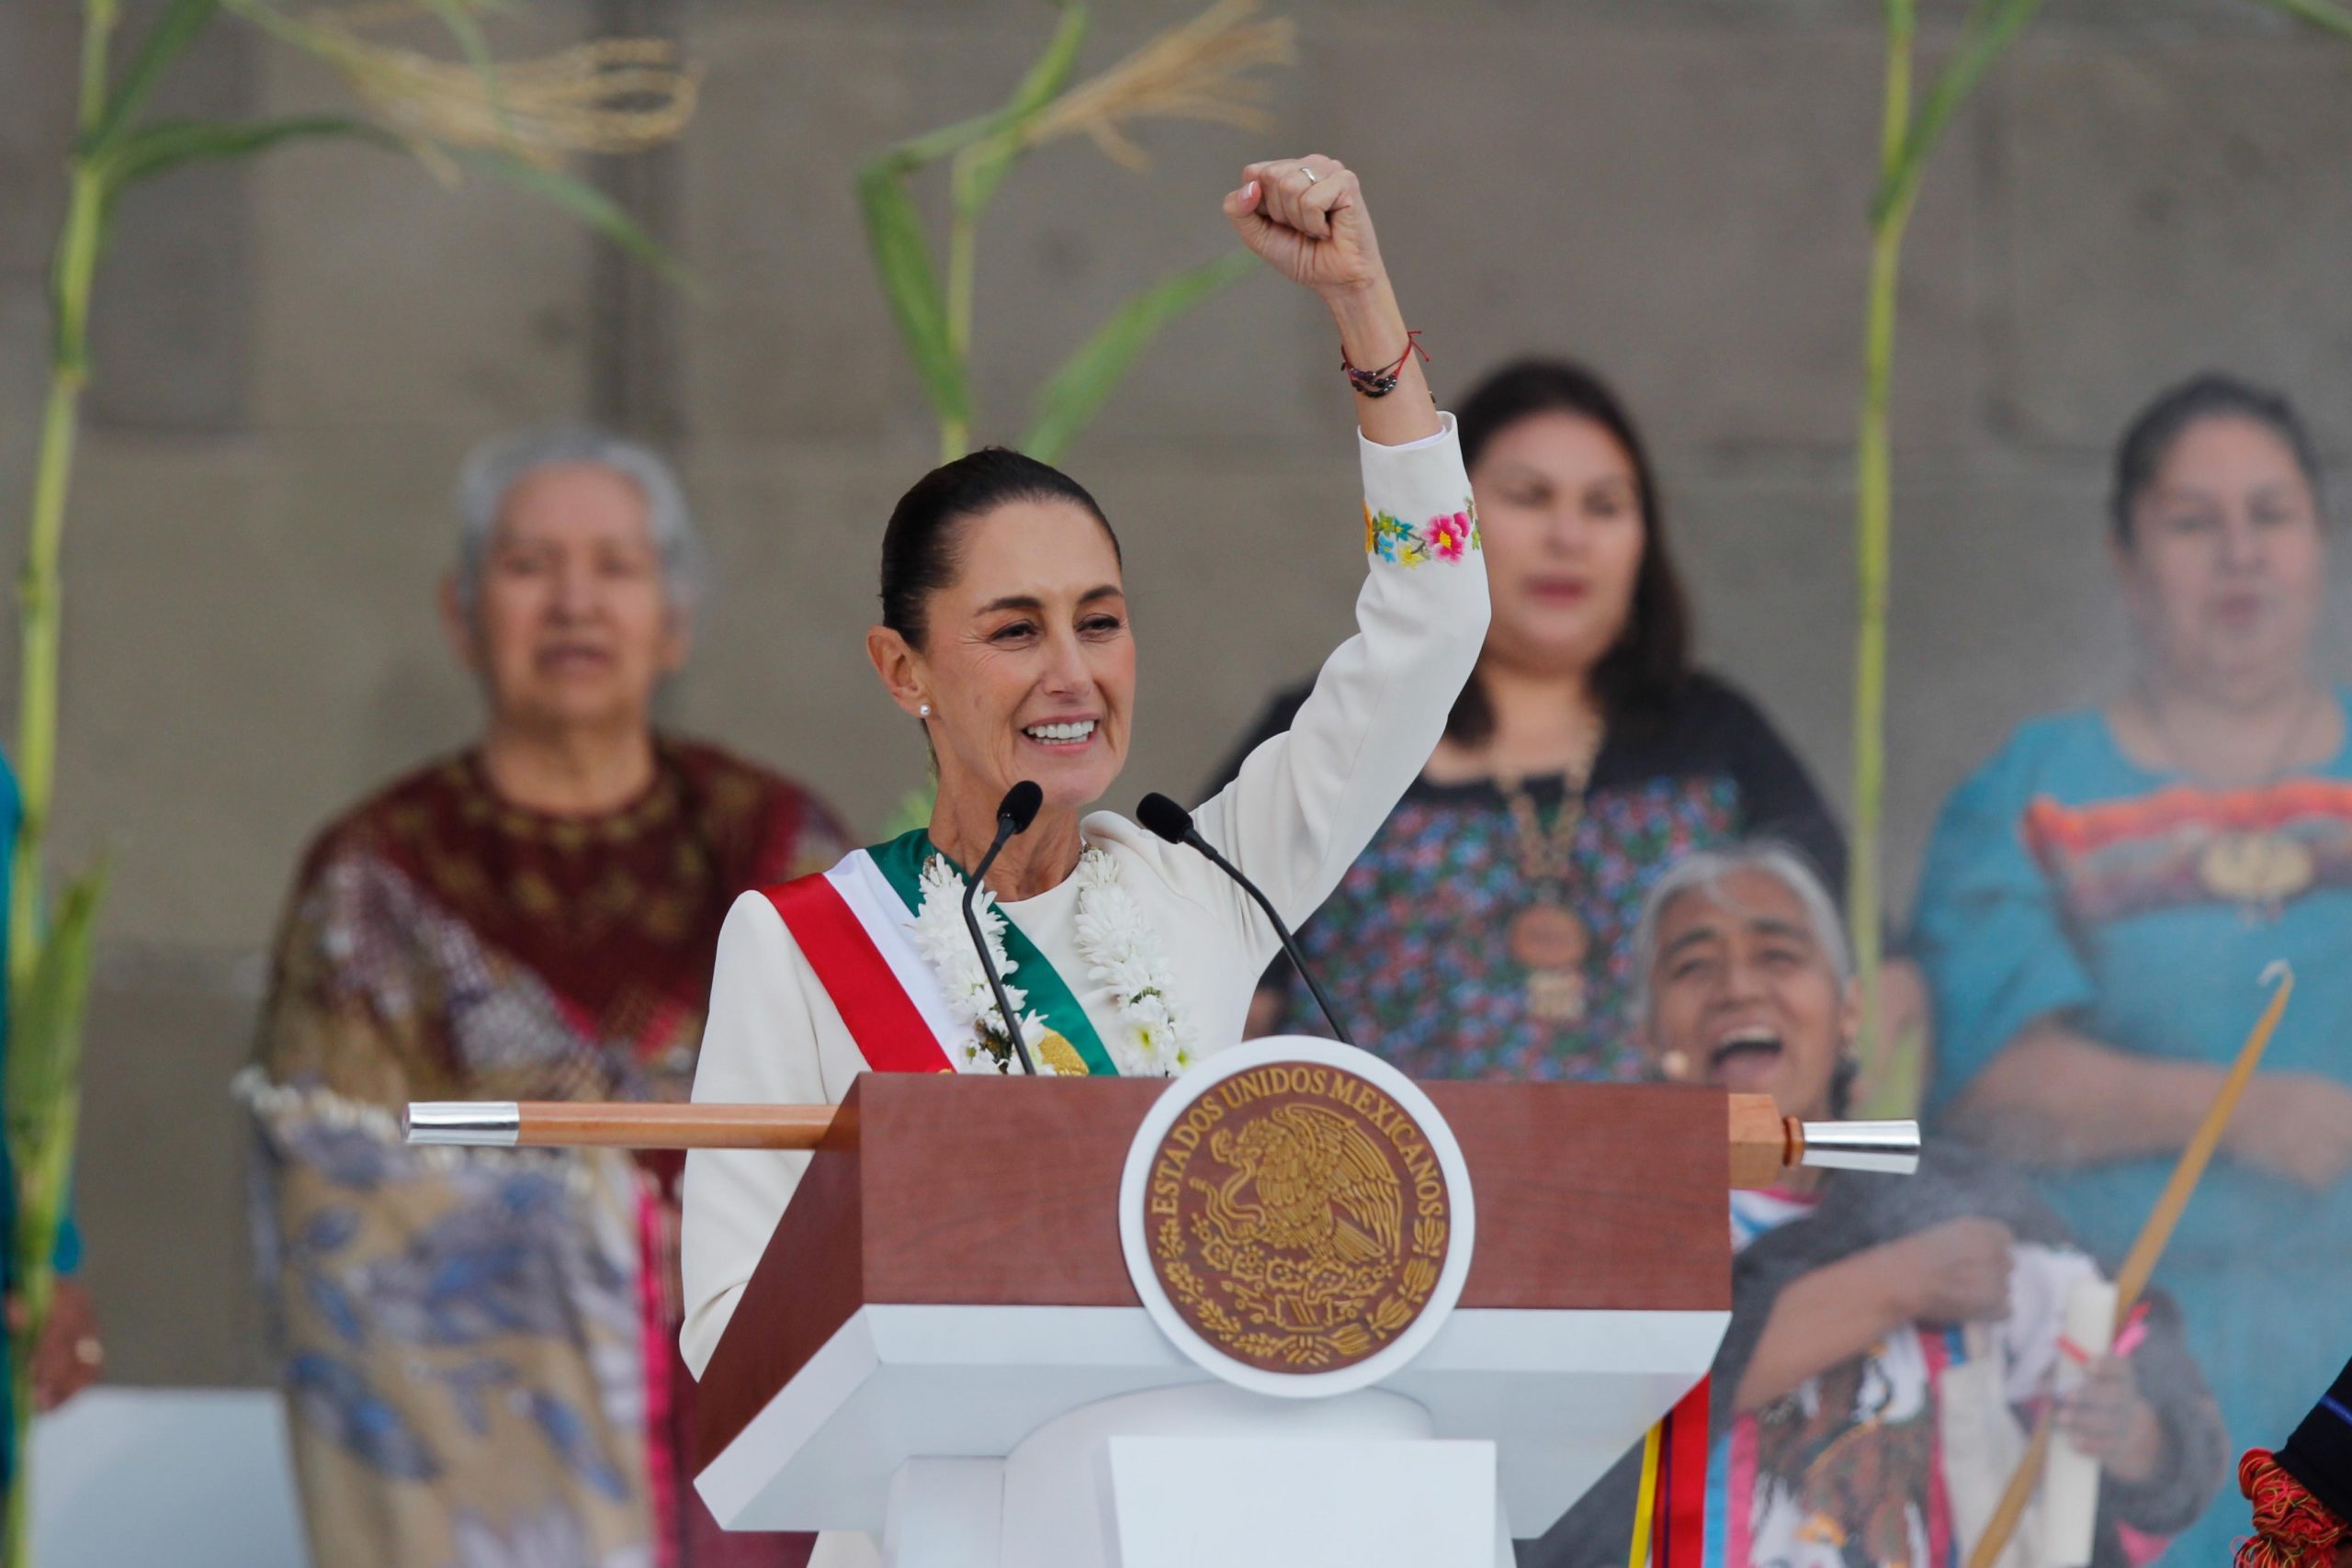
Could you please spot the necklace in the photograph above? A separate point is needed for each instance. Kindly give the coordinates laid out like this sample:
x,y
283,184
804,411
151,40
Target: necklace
x,y
2258,870
1153,1038
940,936
1547,939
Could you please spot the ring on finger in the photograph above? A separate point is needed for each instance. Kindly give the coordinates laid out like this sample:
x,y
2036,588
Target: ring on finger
x,y
1309,174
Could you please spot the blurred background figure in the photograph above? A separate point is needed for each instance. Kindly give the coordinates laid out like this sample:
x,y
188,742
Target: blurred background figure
x,y
71,1355
1483,934
479,1348
2101,897
1887,1333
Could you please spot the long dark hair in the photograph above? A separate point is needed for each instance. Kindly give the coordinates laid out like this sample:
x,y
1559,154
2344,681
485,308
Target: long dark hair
x,y
1645,667
920,553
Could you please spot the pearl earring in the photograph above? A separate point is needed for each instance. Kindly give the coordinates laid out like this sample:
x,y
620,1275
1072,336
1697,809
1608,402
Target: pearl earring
x,y
923,712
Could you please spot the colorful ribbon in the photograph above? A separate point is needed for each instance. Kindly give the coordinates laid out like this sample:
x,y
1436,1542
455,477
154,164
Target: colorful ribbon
x,y
1670,1509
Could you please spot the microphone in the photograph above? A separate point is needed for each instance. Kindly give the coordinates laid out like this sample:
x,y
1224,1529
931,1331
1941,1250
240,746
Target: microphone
x,y
1173,823
1013,815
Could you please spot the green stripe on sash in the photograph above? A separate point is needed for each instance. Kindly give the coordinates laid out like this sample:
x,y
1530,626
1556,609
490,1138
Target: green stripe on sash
x,y
1047,994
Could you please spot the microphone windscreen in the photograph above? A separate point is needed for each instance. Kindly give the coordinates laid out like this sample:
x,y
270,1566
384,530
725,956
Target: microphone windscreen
x,y
1020,805
1165,817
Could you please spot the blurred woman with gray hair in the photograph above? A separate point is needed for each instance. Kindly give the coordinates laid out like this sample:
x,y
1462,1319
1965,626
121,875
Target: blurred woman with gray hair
x,y
479,1348
1888,1334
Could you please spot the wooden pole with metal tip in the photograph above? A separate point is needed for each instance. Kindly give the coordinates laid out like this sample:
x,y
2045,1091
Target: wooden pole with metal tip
x,y
541,1123
2140,1261
1762,1142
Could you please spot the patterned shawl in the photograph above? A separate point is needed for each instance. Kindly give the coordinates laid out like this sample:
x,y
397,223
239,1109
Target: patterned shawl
x,y
479,1348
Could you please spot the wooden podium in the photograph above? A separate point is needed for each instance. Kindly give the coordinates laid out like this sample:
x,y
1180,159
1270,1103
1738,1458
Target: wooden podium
x,y
1290,1309
944,1344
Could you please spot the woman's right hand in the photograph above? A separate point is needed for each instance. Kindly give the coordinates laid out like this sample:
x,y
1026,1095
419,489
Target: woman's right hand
x,y
2298,1126
1316,232
1954,1273
1306,217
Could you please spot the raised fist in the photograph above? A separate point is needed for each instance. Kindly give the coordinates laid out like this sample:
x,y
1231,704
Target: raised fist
x,y
1307,217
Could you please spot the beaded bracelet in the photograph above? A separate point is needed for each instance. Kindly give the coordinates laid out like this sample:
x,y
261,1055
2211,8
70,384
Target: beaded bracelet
x,y
1380,383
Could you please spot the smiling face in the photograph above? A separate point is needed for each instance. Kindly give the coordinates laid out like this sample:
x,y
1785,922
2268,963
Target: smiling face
x,y
572,624
1744,995
1560,511
1028,660
2227,565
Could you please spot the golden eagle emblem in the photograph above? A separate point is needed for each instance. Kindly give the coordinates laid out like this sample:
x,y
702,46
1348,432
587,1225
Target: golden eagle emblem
x,y
1306,1179
1298,1219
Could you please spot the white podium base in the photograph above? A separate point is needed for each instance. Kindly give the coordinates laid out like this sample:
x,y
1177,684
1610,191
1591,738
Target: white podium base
x,y
1562,1395
1178,1477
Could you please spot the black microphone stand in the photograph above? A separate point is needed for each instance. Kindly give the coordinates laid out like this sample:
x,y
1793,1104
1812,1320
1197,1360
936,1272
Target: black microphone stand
x,y
1012,818
1173,823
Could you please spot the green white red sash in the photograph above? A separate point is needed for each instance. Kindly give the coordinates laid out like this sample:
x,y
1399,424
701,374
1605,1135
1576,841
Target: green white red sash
x,y
853,924
880,985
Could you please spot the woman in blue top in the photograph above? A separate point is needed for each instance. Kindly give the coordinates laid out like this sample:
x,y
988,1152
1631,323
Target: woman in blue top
x,y
70,1353
2101,896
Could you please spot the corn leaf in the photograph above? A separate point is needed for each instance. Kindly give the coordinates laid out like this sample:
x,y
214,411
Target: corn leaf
x,y
166,144
44,1051
1046,79
584,201
1089,375
2322,13
910,283
1992,27
166,41
982,167
1051,73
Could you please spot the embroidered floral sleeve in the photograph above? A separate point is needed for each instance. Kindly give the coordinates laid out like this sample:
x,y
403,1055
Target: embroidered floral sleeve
x,y
1446,536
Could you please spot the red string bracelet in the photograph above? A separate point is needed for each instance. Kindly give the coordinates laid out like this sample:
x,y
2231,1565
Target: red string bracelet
x,y
1380,383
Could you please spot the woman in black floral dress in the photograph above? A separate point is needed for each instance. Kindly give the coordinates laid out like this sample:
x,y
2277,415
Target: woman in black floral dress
x,y
1483,933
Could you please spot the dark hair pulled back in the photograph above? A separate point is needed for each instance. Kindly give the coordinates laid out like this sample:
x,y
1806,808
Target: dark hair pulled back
x,y
1642,670
919,547
2158,427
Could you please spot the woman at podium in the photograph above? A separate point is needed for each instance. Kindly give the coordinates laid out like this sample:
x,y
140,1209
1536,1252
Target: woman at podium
x,y
1005,634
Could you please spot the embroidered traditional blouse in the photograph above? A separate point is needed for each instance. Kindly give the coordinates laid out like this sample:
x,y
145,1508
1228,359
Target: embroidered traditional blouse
x,y
1900,1453
1413,947
1301,808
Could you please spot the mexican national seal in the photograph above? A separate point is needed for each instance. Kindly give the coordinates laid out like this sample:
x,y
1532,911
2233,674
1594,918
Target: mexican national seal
x,y
1297,1214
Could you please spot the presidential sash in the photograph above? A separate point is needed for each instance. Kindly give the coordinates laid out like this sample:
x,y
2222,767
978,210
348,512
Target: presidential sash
x,y
853,924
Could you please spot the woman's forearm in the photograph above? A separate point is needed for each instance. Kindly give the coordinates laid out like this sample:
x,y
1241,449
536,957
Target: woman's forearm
x,y
2052,1097
1819,1320
1372,333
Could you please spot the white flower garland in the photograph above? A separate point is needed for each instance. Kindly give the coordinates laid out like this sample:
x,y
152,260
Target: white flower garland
x,y
1123,951
1120,950
946,946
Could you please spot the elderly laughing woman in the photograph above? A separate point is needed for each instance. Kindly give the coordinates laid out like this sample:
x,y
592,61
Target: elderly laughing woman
x,y
1005,633
478,1347
1888,1336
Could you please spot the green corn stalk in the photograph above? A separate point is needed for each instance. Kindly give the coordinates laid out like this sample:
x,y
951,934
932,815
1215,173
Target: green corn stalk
x,y
935,318
49,950
1906,141
1096,366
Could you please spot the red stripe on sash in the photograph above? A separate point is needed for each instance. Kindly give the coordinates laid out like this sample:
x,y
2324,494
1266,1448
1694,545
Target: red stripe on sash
x,y
889,1031
1679,1539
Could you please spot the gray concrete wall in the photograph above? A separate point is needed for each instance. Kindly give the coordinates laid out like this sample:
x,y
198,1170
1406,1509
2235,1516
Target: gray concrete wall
x,y
293,356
